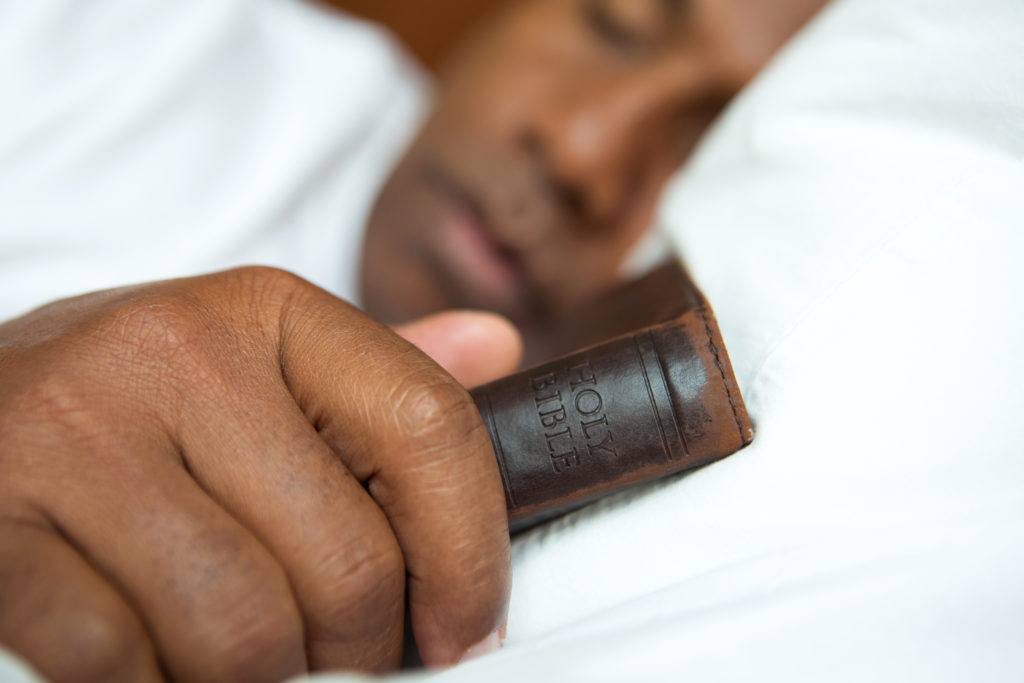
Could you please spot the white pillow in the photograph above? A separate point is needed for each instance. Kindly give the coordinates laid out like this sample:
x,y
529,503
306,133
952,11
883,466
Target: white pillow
x,y
857,221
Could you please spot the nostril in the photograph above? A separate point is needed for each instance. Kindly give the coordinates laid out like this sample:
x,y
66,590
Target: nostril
x,y
568,194
572,198
530,142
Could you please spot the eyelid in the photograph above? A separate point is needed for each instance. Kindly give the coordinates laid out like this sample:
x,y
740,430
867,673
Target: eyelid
x,y
611,29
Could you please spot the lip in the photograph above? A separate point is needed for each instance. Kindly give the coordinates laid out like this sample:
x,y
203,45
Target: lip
x,y
485,272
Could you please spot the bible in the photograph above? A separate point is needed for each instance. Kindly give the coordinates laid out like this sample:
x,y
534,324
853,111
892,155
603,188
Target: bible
x,y
656,397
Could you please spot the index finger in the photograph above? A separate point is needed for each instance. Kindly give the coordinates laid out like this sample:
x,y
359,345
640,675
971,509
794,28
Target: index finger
x,y
409,431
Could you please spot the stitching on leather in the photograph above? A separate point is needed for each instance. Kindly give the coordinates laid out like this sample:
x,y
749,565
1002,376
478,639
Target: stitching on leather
x,y
721,370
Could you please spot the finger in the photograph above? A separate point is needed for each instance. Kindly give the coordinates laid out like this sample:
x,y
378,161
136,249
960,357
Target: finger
x,y
476,347
335,544
407,430
62,616
216,604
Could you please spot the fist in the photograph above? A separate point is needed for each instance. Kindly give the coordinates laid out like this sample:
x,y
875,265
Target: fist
x,y
241,477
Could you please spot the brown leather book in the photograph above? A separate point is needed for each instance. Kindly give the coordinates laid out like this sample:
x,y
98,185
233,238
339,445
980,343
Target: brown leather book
x,y
641,405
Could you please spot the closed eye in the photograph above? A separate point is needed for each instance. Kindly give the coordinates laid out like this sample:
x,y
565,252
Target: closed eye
x,y
611,29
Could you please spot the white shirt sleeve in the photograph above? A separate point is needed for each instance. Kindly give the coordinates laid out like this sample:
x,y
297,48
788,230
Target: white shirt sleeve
x,y
144,140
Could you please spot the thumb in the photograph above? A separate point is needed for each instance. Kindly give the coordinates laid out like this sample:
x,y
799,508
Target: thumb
x,y
473,346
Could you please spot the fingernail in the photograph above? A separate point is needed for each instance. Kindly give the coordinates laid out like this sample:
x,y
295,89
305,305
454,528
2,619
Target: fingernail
x,y
490,644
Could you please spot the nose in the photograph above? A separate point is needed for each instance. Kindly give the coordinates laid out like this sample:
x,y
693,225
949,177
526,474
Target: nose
x,y
601,136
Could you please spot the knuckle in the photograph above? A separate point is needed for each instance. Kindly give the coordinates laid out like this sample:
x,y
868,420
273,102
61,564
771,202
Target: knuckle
x,y
58,400
266,287
355,585
43,414
256,634
273,296
165,339
100,645
256,647
158,327
436,412
265,648
260,277
53,394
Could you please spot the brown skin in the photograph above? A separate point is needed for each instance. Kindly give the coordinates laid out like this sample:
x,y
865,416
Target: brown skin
x,y
240,477
555,129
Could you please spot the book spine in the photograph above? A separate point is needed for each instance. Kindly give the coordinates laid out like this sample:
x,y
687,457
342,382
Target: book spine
x,y
636,408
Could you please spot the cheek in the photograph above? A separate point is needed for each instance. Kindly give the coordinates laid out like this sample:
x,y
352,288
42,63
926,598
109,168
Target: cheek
x,y
494,106
506,77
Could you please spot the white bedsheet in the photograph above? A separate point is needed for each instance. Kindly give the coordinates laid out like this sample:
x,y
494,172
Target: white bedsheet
x,y
146,139
857,221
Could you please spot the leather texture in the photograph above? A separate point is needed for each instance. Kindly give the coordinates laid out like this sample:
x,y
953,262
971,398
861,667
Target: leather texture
x,y
659,400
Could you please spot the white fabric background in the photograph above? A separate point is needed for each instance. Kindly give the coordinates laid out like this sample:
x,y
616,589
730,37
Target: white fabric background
x,y
146,139
856,222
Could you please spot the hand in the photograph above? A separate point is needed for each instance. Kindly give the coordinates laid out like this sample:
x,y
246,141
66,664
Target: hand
x,y
239,477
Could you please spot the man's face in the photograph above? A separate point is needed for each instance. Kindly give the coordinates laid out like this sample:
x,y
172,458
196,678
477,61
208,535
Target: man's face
x,y
555,127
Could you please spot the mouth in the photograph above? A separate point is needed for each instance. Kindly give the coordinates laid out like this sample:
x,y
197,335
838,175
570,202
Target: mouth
x,y
480,271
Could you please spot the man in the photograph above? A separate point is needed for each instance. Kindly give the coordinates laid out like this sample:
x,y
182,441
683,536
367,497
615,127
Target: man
x,y
555,128
238,475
